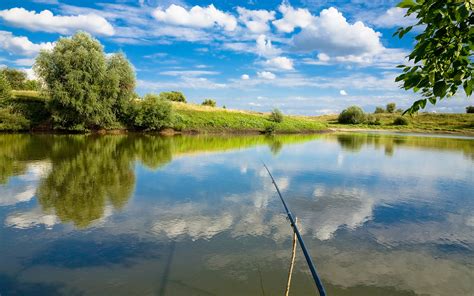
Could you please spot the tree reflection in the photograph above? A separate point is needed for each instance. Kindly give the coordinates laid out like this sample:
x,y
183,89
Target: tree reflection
x,y
87,174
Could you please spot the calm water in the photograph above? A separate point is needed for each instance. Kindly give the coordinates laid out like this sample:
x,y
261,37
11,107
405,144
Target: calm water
x,y
145,215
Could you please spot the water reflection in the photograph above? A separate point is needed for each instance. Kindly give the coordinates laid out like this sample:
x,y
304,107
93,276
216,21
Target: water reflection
x,y
142,215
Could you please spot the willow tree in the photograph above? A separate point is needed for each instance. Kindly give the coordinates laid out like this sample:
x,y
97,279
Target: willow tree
x,y
442,59
85,87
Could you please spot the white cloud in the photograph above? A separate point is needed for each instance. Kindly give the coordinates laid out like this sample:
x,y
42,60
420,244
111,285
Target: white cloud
x,y
343,92
256,20
46,21
21,45
265,47
323,57
330,33
292,18
394,17
197,16
25,62
245,77
266,75
282,63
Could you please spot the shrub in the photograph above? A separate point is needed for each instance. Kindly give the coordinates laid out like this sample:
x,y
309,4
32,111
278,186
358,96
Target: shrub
x,y
470,109
276,116
400,120
209,102
391,107
269,129
379,110
373,120
174,96
10,120
16,78
5,88
153,113
352,115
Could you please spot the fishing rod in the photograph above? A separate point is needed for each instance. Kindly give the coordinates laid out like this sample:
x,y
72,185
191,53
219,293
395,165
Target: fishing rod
x,y
309,261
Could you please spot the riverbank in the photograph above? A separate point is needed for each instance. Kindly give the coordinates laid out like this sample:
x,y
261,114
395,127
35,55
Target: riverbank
x,y
31,115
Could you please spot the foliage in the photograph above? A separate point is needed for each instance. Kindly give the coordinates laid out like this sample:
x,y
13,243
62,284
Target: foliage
x,y
174,96
373,120
379,110
352,115
276,116
401,120
209,102
153,113
270,129
11,120
15,77
470,109
85,88
391,107
442,57
5,88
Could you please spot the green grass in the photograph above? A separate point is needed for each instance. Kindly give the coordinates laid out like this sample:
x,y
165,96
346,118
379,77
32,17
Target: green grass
x,y
217,120
423,122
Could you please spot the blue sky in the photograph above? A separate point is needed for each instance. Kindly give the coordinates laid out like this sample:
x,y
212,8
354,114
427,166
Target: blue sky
x,y
304,57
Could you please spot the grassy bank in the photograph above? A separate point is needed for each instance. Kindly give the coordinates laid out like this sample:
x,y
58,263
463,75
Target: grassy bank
x,y
206,119
423,122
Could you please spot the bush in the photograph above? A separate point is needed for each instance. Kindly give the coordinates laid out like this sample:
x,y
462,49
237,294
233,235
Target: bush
x,y
276,116
209,102
16,78
5,89
379,110
352,115
373,120
269,129
10,120
153,113
391,107
400,120
174,96
470,109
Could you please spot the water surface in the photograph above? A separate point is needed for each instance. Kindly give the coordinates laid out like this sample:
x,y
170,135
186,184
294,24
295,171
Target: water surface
x,y
147,215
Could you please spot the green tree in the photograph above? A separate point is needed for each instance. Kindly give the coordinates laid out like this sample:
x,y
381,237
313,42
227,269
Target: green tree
x,y
379,110
16,78
442,57
153,113
83,86
276,116
5,88
209,102
174,96
352,115
391,107
121,88
470,109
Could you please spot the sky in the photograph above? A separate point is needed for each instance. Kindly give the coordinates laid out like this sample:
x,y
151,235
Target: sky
x,y
306,57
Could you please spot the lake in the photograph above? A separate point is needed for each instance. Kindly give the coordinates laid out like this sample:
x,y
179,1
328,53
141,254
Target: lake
x,y
382,214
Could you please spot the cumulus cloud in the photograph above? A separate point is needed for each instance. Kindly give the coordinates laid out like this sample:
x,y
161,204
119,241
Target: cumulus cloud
x,y
21,45
330,33
256,20
266,75
46,21
197,16
265,47
282,63
245,77
394,17
292,18
343,92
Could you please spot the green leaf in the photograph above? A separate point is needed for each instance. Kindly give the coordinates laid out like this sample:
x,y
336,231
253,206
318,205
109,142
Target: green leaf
x,y
406,4
439,88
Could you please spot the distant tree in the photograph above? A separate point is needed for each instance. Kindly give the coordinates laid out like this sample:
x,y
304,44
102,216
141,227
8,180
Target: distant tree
x,y
85,87
16,78
401,120
209,102
5,88
276,116
379,110
391,107
441,61
153,113
352,115
470,109
174,96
